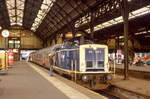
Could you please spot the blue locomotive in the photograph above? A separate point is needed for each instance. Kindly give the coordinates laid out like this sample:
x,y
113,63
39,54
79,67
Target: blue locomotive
x,y
86,63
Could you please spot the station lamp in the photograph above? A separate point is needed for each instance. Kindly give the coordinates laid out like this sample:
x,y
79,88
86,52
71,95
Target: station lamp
x,y
69,35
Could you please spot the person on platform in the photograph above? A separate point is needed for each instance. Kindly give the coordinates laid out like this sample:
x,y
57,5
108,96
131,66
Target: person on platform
x,y
51,62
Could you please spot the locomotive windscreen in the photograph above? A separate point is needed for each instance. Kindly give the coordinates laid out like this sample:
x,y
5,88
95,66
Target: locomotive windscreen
x,y
94,57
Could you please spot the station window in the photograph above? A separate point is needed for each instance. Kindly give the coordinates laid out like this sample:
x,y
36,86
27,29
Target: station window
x,y
14,43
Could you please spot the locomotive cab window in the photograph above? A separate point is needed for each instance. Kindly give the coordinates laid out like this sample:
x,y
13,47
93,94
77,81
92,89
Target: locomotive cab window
x,y
100,63
89,57
100,57
89,64
94,57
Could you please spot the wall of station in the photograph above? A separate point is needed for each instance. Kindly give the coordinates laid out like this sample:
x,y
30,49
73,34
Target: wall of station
x,y
30,41
58,40
27,39
2,42
132,44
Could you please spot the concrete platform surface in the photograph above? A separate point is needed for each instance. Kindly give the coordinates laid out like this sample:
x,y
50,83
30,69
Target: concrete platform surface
x,y
144,68
27,81
134,85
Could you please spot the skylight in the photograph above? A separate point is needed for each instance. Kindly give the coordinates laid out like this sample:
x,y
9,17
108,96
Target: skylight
x,y
15,10
132,15
45,7
143,32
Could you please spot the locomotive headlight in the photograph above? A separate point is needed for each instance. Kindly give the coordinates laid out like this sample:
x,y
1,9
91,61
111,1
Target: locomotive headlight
x,y
94,48
85,78
109,77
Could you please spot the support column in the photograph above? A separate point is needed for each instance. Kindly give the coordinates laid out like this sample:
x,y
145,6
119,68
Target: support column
x,y
55,39
117,46
91,26
5,54
125,15
16,20
45,43
73,29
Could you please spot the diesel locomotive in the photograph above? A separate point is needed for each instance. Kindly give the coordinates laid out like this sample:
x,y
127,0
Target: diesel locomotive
x,y
86,64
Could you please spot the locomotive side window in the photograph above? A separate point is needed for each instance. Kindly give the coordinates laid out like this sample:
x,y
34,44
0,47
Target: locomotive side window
x,y
67,59
75,59
58,58
62,58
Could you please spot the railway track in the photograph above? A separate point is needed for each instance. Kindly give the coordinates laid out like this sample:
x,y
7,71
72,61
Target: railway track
x,y
108,94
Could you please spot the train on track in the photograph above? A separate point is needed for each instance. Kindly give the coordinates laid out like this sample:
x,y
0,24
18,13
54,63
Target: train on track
x,y
86,64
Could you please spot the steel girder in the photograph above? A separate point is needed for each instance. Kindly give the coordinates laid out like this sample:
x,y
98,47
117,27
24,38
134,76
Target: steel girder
x,y
66,11
4,17
30,12
111,9
117,30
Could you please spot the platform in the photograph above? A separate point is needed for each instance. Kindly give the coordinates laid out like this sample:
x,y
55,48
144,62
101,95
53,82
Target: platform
x,y
140,72
29,81
138,86
144,68
139,79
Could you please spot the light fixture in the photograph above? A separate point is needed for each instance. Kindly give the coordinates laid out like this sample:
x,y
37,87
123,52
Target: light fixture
x,y
77,35
95,48
129,0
